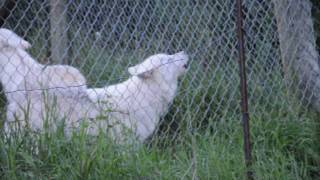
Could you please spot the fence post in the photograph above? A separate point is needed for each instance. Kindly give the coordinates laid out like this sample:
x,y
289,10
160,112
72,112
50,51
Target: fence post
x,y
58,32
244,93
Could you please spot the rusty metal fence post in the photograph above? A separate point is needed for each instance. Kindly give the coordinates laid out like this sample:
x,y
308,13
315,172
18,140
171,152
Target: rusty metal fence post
x,y
244,93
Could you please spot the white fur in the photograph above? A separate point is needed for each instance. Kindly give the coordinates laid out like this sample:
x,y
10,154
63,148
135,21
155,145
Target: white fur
x,y
24,81
138,103
9,38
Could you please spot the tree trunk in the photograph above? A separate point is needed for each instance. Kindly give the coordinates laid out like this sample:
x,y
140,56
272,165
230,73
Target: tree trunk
x,y
298,48
58,32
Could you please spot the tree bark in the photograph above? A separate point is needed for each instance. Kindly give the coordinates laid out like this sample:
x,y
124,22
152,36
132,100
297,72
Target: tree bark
x,y
298,48
58,32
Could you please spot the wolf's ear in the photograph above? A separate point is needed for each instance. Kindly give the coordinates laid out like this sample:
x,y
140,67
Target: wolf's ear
x,y
140,71
9,38
19,43
24,44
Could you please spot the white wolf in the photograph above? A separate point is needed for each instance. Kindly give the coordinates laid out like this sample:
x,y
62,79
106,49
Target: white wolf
x,y
138,103
36,92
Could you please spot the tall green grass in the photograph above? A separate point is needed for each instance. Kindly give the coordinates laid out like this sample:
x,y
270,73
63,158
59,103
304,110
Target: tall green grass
x,y
284,148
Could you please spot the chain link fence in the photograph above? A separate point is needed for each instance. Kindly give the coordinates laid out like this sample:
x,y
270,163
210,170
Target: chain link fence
x,y
103,38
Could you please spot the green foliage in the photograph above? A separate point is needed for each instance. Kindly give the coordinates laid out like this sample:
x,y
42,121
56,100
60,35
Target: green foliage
x,y
284,148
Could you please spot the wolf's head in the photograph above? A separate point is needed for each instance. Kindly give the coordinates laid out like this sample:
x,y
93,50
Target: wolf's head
x,y
164,66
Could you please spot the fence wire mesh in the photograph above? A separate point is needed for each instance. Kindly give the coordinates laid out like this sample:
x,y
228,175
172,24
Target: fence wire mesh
x,y
102,39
